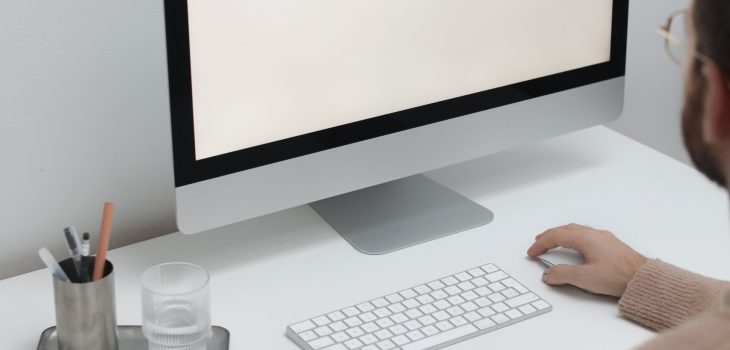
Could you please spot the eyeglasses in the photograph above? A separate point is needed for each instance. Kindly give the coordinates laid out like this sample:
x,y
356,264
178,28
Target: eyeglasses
x,y
674,32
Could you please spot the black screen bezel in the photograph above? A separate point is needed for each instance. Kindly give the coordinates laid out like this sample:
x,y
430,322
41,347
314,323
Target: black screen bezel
x,y
188,170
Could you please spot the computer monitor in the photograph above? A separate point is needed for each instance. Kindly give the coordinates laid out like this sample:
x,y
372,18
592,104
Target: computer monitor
x,y
342,103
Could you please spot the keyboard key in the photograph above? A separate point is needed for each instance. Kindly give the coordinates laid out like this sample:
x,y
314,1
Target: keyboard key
x,y
351,311
414,313
483,302
368,339
322,331
411,303
510,282
355,332
383,334
370,327
368,317
500,307
422,289
480,282
439,294
413,324
463,276
486,311
322,320
522,300
449,281
485,323
340,337
336,316
496,297
408,294
353,321
441,315
386,345
477,272
469,295
307,336
436,285
452,290
428,309
400,340
366,306
469,306
441,338
353,344
382,312
455,311
427,320
396,308
430,331
385,323
441,304
336,347
496,286
302,326
394,298
379,302
458,321
472,316
500,318
444,325
496,276
456,300
398,329
541,305
527,309
321,343
490,268
415,335
510,293
425,299
483,291
513,314
399,318
370,347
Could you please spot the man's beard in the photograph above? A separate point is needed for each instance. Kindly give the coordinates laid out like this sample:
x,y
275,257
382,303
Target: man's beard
x,y
703,155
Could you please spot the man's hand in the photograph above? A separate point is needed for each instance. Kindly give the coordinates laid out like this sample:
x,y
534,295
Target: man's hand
x,y
610,263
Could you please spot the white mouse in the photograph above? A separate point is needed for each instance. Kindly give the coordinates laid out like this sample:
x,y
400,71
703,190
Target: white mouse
x,y
559,256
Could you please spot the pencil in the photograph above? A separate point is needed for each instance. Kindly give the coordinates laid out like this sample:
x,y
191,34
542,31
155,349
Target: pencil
x,y
105,231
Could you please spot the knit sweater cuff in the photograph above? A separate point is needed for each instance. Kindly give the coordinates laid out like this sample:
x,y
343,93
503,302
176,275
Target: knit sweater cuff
x,y
661,296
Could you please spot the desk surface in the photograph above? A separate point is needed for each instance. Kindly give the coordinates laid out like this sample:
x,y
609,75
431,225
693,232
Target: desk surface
x,y
285,267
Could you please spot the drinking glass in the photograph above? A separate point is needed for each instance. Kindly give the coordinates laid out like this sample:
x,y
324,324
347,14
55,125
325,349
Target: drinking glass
x,y
176,307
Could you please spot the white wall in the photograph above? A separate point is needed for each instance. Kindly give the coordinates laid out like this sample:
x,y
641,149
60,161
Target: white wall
x,y
84,118
653,83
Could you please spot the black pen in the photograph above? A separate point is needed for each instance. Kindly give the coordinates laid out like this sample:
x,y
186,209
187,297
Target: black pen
x,y
85,248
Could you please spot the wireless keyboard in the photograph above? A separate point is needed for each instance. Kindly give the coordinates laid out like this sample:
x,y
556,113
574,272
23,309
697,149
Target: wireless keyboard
x,y
428,316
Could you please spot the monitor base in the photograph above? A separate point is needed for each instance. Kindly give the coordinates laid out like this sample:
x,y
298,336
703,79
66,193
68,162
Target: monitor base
x,y
399,214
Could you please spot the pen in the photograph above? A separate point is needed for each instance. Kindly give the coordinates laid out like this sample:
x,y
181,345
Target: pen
x,y
85,250
106,227
74,249
56,270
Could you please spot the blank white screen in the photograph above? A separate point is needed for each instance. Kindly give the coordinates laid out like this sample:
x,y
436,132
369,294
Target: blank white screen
x,y
267,70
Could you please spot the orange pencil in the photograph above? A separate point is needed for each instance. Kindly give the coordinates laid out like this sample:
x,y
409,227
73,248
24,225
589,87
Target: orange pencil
x,y
105,231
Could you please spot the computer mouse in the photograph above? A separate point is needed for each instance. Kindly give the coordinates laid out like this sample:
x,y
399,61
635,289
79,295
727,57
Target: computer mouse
x,y
560,256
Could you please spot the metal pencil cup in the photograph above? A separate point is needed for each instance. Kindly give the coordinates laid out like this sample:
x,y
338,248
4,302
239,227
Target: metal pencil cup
x,y
86,312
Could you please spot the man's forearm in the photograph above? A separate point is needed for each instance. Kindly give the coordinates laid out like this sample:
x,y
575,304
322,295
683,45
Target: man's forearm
x,y
661,295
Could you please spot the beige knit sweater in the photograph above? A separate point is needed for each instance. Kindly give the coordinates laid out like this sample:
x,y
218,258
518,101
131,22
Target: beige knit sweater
x,y
690,310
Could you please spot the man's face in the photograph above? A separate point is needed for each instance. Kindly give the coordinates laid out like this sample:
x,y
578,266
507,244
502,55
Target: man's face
x,y
704,155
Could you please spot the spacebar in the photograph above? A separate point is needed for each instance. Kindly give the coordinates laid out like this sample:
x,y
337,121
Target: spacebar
x,y
441,338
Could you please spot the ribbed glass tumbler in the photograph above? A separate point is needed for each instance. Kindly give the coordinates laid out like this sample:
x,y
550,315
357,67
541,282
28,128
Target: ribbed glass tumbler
x,y
176,307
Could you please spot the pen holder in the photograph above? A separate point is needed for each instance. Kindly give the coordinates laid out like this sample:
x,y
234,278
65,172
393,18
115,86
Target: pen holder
x,y
86,312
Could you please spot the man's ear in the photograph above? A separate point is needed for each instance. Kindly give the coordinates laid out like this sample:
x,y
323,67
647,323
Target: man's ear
x,y
717,105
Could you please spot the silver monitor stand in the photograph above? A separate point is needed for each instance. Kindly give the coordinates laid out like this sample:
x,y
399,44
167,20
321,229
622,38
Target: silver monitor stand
x,y
398,214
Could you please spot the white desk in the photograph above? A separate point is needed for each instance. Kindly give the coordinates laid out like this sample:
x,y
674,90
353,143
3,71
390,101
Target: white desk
x,y
285,267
